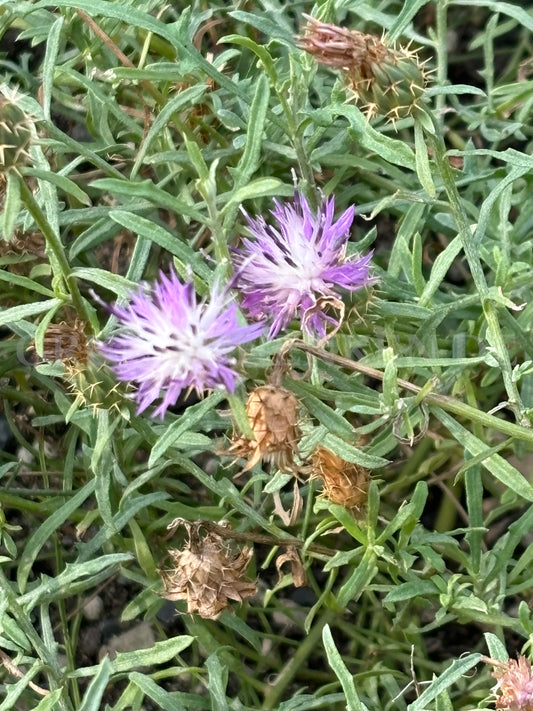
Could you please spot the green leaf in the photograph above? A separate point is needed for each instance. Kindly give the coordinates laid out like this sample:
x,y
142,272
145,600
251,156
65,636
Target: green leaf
x,y
74,579
49,64
517,12
453,673
497,649
440,268
120,519
406,14
349,453
160,653
410,590
25,283
494,463
113,282
218,680
93,695
390,149
259,50
146,190
365,572
156,233
187,421
423,169
260,187
162,698
60,181
50,702
11,206
353,702
188,96
41,535
250,159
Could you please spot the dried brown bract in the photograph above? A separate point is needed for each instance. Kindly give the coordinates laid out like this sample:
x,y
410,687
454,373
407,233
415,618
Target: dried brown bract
x,y
207,573
65,342
340,48
515,685
345,483
273,413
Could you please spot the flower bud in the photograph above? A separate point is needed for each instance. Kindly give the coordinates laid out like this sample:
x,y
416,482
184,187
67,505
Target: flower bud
x,y
385,80
16,130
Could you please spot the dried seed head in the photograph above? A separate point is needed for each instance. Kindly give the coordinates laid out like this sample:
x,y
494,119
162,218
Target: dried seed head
x,y
65,342
23,251
16,130
385,80
515,685
345,483
207,574
24,243
273,415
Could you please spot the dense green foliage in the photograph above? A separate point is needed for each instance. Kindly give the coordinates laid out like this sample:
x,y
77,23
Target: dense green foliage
x,y
151,125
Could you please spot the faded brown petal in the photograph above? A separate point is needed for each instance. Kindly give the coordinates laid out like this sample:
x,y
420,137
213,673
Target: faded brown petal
x,y
515,685
291,556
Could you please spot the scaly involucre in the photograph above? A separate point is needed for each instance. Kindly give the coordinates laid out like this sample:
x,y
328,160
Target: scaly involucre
x,y
169,341
285,270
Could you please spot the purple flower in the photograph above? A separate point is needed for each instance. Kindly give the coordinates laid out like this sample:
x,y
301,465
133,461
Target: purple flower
x,y
285,270
170,341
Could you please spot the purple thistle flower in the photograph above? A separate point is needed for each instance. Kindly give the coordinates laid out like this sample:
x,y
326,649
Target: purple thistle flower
x,y
170,341
286,269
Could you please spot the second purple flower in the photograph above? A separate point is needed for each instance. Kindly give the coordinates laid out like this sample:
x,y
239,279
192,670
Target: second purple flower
x,y
286,268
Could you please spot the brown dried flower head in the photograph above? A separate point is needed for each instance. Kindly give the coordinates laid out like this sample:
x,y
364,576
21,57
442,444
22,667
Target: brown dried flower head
x,y
22,251
515,685
65,342
207,574
345,483
386,80
273,414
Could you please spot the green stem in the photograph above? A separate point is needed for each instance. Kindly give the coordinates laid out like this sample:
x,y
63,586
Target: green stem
x,y
441,10
305,650
446,402
56,248
495,335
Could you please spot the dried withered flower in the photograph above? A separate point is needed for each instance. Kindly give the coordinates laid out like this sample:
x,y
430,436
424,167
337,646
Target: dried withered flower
x,y
345,483
207,573
515,685
386,80
292,557
65,342
273,413
25,243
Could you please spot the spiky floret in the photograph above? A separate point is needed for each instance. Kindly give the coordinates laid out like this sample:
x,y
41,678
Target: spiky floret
x,y
16,129
384,80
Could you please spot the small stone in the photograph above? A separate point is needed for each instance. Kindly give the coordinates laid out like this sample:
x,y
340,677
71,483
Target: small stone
x,y
139,637
93,608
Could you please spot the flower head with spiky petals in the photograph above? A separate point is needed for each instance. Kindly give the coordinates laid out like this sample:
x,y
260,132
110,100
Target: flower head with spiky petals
x,y
287,269
169,341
